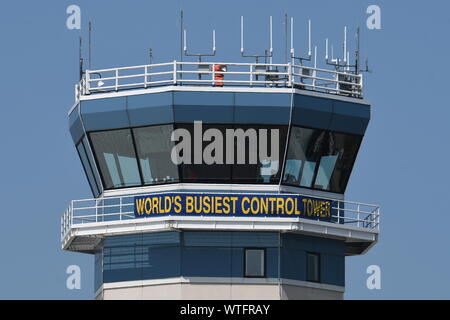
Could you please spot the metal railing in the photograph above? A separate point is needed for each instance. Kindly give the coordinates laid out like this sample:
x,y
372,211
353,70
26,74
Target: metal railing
x,y
88,211
204,74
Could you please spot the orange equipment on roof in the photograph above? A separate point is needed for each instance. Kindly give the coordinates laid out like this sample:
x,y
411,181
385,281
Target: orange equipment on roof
x,y
218,75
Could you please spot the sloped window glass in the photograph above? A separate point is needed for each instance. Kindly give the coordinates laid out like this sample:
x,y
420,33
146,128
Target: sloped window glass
x,y
320,159
114,151
154,147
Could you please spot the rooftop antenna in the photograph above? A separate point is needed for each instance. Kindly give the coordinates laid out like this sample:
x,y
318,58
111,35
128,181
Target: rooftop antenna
x,y
301,59
90,45
346,61
181,35
258,56
150,55
285,38
345,55
80,53
200,55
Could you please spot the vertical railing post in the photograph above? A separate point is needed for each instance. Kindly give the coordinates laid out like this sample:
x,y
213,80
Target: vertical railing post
x,y
87,82
314,74
378,218
336,76
71,214
120,208
290,75
358,209
145,76
77,92
96,210
339,212
361,85
117,79
251,75
175,72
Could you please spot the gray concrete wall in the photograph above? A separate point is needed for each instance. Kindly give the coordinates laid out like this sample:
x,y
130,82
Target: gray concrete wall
x,y
220,291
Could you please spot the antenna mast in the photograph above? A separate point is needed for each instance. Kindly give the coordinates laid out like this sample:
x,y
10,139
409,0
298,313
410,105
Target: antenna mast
x,y
258,56
301,59
346,66
81,58
200,55
90,45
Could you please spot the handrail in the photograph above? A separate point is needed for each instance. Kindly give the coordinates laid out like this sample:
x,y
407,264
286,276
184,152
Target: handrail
x,y
203,74
84,211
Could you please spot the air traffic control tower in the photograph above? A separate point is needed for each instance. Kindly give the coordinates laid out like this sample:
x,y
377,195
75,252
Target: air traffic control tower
x,y
166,222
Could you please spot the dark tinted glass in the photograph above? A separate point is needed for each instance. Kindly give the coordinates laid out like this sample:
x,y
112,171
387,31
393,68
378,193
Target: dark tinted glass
x,y
313,267
254,263
320,159
242,158
87,168
217,172
265,171
154,147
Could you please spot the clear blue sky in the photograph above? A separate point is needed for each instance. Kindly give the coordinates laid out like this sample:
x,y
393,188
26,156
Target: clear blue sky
x,y
402,165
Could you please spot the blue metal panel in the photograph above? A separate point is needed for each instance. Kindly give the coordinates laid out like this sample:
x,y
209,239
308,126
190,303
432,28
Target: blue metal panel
x,y
350,117
161,238
98,270
312,112
206,262
216,254
332,269
75,125
207,239
313,244
126,240
104,114
210,99
209,107
231,239
254,239
293,264
163,262
237,262
150,109
262,108
272,262
129,274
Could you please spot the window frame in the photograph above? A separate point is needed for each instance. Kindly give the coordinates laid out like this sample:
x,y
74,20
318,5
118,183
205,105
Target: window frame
x,y
97,190
264,275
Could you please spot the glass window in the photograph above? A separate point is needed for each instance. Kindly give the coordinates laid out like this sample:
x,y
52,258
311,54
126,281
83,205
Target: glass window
x,y
254,263
154,147
313,267
320,159
216,172
254,157
116,158
267,168
87,169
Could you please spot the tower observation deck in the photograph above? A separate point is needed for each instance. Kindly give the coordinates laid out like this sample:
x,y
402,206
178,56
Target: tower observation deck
x,y
275,228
